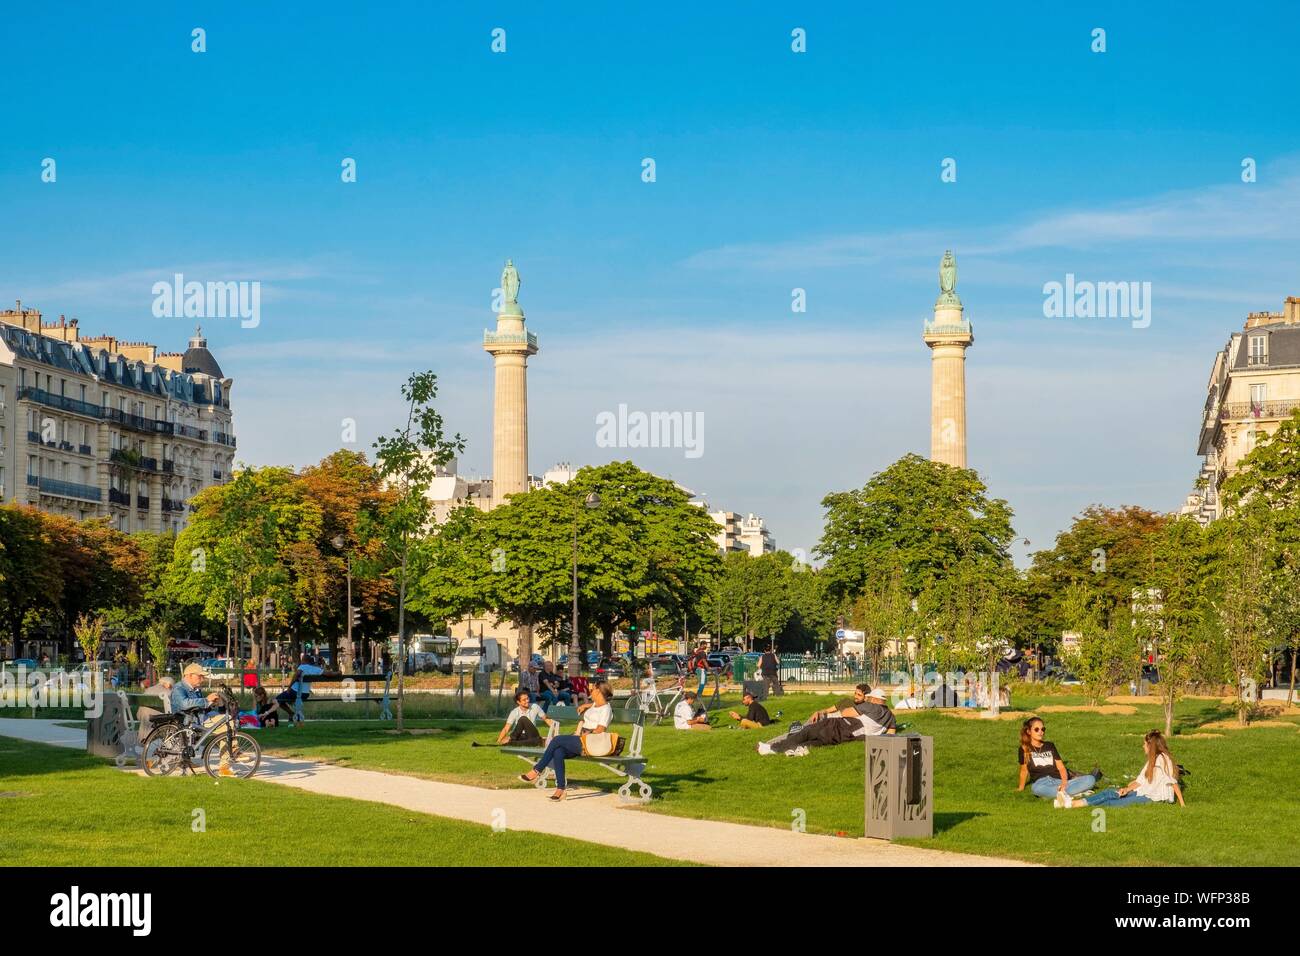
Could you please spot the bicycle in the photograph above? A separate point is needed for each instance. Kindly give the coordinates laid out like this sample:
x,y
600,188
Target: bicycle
x,y
176,738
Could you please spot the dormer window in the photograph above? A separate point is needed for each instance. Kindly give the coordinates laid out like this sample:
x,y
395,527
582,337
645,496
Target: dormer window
x,y
1258,354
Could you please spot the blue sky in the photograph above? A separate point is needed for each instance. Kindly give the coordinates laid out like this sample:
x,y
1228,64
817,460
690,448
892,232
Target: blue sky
x,y
775,170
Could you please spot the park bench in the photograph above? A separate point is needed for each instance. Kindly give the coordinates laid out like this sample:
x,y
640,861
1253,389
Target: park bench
x,y
631,763
385,713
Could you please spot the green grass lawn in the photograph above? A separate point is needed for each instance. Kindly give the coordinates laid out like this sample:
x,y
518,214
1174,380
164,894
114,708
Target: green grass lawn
x,y
1242,801
61,807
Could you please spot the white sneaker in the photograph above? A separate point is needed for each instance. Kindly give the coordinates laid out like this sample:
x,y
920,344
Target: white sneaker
x,y
1059,801
797,752
764,748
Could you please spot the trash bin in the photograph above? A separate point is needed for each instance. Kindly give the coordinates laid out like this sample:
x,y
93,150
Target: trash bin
x,y
104,732
482,684
900,787
756,687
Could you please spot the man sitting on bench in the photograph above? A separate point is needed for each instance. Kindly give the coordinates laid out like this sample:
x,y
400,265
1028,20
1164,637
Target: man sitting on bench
x,y
863,716
522,723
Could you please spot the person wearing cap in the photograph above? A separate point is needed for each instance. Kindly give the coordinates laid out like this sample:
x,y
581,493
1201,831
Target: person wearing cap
x,y
186,695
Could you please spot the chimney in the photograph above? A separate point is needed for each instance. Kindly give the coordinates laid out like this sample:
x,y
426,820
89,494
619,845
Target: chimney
x,y
1292,309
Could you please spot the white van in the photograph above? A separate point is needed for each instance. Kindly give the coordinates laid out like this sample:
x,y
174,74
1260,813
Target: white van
x,y
477,653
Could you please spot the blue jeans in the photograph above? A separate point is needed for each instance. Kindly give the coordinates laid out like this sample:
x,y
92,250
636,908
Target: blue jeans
x,y
549,697
1047,787
565,745
1111,798
704,679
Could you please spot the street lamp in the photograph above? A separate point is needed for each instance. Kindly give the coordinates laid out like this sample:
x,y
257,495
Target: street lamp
x,y
592,501
340,542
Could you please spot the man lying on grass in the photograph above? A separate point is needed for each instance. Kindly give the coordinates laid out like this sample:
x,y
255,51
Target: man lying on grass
x,y
863,716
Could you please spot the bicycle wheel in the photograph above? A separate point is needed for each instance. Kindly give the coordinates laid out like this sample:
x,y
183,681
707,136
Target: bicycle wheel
x,y
163,750
238,755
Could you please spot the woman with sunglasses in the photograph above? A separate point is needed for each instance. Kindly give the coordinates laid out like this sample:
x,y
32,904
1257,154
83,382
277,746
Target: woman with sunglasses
x,y
1042,765
595,719
1157,782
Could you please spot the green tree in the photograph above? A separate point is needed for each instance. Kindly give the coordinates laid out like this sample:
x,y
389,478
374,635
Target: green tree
x,y
1104,654
883,613
920,516
1108,550
237,549
1244,629
407,461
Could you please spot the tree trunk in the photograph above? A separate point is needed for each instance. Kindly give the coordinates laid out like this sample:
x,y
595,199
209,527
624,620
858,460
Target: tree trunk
x,y
1291,688
401,639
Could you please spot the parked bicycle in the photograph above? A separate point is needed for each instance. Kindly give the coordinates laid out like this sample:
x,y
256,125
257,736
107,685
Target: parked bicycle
x,y
225,750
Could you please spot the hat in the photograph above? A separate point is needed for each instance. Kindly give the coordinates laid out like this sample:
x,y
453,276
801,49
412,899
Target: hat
x,y
194,669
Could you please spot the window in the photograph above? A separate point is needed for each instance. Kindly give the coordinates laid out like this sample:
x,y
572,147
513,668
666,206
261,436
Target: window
x,y
1258,396
1258,350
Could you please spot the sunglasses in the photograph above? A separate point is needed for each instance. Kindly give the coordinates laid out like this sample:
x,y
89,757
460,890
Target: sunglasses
x,y
1037,730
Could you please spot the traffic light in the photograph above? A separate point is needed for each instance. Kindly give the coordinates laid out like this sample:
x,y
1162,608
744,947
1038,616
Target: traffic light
x,y
356,616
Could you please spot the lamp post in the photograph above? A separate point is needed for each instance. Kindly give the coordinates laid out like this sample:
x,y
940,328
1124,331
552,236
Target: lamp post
x,y
339,542
592,501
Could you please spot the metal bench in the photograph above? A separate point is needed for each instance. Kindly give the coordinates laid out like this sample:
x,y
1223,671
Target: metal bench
x,y
631,763
385,713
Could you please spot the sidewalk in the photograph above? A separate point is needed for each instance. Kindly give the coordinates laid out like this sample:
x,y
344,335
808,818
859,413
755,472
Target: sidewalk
x,y
588,815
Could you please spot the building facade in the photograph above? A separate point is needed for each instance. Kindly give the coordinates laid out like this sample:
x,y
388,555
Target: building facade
x,y
1254,386
742,533
94,427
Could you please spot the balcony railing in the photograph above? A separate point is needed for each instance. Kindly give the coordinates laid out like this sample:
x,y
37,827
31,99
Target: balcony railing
x,y
59,401
187,431
138,423
85,449
1278,409
35,436
168,466
119,497
221,438
510,338
65,489
169,505
142,502
947,328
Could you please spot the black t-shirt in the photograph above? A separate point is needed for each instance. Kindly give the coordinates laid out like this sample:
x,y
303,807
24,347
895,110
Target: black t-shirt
x,y
768,664
758,714
1042,760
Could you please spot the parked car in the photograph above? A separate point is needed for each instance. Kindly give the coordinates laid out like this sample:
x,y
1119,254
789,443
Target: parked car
x,y
18,662
719,661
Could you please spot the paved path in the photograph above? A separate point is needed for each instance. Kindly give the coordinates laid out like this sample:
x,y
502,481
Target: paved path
x,y
43,732
588,815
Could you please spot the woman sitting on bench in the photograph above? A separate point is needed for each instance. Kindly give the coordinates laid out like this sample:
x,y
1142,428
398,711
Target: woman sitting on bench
x,y
595,719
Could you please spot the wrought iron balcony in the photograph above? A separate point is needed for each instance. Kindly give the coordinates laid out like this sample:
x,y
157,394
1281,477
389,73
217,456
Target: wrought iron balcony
x,y
61,402
85,449
142,502
188,431
1242,410
119,497
65,489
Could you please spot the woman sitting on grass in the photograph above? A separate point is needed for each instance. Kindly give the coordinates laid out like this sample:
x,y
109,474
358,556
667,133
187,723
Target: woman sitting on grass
x,y
1044,767
1157,783
595,719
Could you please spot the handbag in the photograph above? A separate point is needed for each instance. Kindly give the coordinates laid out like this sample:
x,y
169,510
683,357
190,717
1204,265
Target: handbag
x,y
599,745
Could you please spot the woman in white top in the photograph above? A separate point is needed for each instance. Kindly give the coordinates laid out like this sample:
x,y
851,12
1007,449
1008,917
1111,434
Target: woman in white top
x,y
595,718
1157,782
